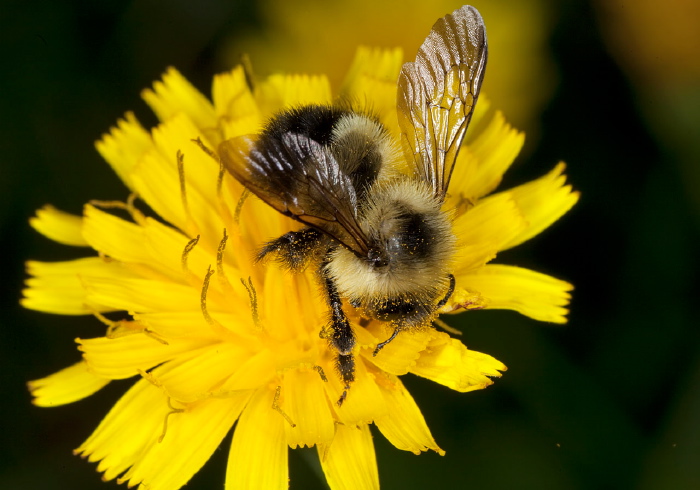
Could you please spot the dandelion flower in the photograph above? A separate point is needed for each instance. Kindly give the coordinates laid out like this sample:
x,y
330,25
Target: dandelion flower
x,y
215,339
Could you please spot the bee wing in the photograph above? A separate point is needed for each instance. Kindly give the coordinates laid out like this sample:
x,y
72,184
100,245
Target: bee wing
x,y
437,94
301,179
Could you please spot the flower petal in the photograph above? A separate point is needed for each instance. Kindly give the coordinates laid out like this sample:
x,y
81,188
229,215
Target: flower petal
x,y
189,441
399,355
123,357
59,226
66,386
481,165
364,401
371,83
403,425
234,104
349,462
447,361
306,404
123,146
279,92
59,287
542,202
530,293
174,95
258,457
482,230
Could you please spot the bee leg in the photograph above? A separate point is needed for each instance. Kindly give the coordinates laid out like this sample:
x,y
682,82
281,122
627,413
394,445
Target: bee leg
x,y
342,338
381,345
450,290
293,249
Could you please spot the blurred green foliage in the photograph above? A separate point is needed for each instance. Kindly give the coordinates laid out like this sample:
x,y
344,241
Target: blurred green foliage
x,y
611,400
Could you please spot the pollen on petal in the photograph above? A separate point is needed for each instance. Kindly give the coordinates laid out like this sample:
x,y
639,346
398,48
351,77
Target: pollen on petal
x,y
59,226
66,386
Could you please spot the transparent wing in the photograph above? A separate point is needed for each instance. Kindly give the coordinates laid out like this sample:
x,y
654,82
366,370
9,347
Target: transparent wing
x,y
299,178
437,94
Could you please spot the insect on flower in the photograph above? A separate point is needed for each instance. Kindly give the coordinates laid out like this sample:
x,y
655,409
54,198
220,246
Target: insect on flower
x,y
378,236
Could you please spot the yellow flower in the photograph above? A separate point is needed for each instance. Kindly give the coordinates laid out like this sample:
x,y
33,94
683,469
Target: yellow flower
x,y
215,339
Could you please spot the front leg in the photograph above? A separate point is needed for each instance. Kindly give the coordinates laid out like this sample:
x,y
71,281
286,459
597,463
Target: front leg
x,y
342,338
295,249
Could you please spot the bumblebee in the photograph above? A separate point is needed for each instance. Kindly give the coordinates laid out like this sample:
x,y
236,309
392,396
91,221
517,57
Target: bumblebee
x,y
377,236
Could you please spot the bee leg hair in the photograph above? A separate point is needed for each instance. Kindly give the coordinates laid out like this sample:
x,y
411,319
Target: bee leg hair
x,y
294,249
342,338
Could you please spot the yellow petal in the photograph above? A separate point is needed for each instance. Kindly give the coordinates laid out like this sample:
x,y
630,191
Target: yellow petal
x,y
59,287
176,95
306,404
123,146
143,295
483,229
129,435
113,236
370,84
159,181
189,441
258,457
530,293
66,386
480,166
364,401
234,104
349,462
404,425
123,357
447,361
542,202
399,355
284,91
59,226
133,424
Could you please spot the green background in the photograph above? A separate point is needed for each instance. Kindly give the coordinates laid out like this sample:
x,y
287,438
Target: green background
x,y
611,400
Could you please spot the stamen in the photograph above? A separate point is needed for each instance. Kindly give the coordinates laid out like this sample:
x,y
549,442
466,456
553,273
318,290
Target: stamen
x,y
186,252
253,298
183,187
127,206
223,280
239,206
248,72
276,407
220,179
203,298
173,411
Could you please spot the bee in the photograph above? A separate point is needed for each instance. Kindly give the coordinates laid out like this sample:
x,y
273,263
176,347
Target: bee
x,y
379,237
